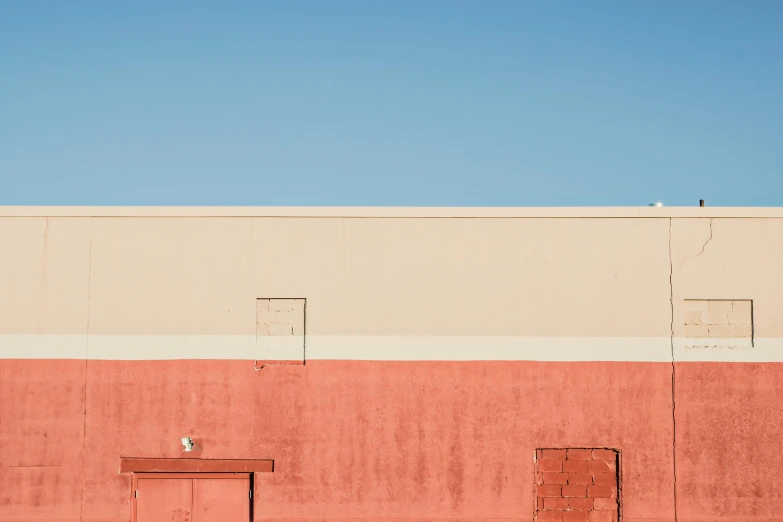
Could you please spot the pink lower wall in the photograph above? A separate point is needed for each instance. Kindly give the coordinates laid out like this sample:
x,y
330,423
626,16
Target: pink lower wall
x,y
729,431
393,440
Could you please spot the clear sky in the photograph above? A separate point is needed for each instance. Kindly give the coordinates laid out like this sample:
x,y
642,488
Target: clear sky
x,y
426,102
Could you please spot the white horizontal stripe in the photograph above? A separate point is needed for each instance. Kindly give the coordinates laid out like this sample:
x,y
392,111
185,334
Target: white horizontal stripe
x,y
729,350
462,348
279,348
173,347
167,347
151,347
386,348
43,346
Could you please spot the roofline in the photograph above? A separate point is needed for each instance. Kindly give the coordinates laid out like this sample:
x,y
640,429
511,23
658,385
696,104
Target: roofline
x,y
398,212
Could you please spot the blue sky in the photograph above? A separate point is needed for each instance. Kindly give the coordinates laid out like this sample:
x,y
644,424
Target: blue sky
x,y
496,103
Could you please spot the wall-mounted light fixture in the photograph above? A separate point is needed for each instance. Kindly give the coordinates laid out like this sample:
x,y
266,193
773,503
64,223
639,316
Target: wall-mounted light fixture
x,y
187,444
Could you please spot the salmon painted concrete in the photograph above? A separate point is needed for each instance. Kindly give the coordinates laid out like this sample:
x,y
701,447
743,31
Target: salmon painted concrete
x,y
395,364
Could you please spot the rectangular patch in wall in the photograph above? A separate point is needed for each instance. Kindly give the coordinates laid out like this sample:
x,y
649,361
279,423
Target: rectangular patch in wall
x,y
577,484
280,330
722,322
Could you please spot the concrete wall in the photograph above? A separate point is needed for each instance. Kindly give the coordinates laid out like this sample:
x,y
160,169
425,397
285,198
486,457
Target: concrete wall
x,y
443,347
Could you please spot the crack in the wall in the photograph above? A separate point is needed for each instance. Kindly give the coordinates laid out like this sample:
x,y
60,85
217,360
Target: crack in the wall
x,y
256,367
671,345
86,359
671,342
702,247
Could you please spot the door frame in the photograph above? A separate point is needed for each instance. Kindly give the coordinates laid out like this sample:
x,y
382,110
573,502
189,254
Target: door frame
x,y
228,475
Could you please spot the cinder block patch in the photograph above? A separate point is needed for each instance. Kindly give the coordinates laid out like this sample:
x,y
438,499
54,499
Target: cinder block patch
x,y
718,321
280,330
577,484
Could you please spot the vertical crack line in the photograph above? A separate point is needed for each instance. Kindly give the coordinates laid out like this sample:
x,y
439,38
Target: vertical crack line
x,y
252,285
671,346
86,358
703,247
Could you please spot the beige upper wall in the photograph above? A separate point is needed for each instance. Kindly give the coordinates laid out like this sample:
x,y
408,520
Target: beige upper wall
x,y
730,259
44,267
395,275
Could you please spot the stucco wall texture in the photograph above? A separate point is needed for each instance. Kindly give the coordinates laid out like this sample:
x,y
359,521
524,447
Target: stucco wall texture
x,y
442,348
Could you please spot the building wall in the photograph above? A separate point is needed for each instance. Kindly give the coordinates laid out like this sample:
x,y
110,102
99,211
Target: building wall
x,y
443,348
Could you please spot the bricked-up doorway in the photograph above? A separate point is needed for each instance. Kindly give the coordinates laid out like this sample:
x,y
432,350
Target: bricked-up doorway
x,y
196,497
577,485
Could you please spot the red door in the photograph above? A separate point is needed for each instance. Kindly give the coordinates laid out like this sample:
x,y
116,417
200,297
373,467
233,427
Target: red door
x,y
164,499
194,497
220,499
